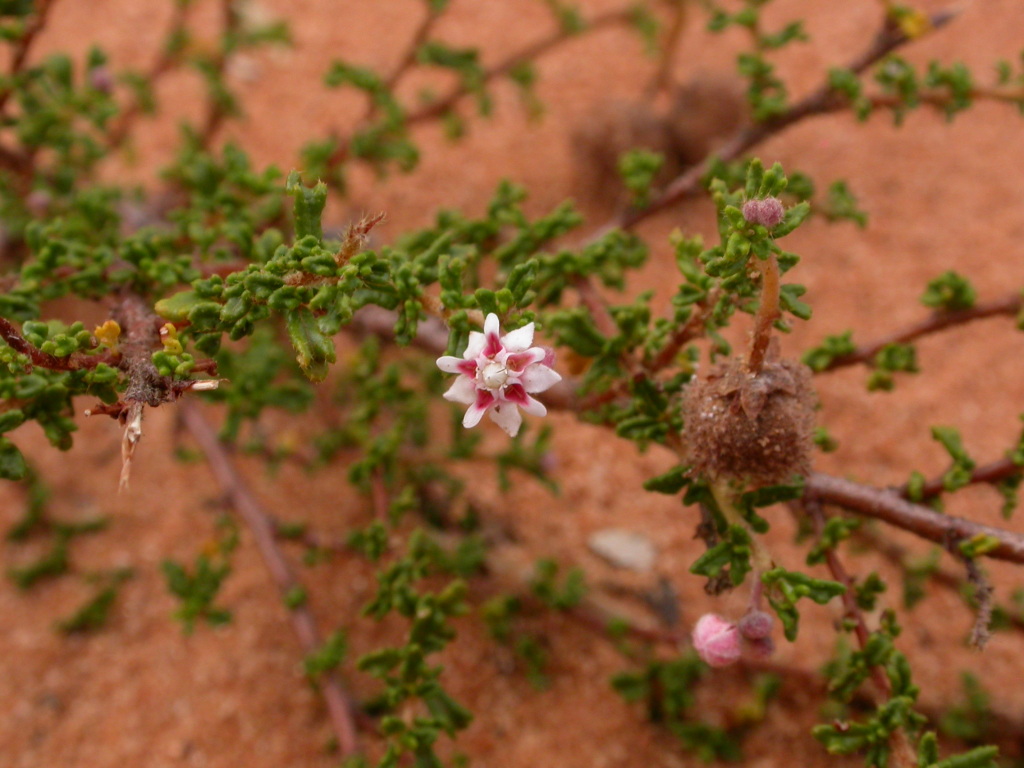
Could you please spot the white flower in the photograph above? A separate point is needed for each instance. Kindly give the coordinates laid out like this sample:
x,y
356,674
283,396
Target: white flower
x,y
497,374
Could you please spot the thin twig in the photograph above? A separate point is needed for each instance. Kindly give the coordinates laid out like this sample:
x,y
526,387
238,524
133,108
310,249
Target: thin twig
x,y
23,45
890,507
167,60
898,739
526,54
408,59
662,78
261,526
934,323
994,472
76,361
852,611
821,101
897,555
215,111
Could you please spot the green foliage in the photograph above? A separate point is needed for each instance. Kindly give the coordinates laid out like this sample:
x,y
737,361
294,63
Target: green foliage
x,y
254,297
669,689
729,556
949,291
93,615
836,530
327,657
841,204
970,721
197,588
892,358
638,169
959,473
785,588
834,347
57,535
561,597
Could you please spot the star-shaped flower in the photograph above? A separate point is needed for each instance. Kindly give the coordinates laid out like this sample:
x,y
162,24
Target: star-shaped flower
x,y
497,374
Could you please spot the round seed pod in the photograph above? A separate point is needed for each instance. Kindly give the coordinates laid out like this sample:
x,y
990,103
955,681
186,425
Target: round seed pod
x,y
756,429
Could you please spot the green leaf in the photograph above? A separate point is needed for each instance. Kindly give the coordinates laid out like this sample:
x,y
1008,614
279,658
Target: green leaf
x,y
671,483
12,463
314,351
309,206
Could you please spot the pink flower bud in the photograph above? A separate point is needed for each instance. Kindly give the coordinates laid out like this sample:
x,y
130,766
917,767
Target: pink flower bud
x,y
756,625
101,79
768,212
752,211
717,641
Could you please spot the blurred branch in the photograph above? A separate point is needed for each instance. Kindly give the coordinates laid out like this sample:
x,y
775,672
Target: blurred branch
x,y
821,101
23,45
994,472
936,322
168,59
662,78
528,53
890,507
261,526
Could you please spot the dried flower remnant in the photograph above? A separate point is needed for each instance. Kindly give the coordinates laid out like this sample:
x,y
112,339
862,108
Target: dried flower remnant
x,y
716,640
758,429
497,375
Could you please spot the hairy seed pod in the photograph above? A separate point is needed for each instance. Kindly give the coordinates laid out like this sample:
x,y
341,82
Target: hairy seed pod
x,y
756,429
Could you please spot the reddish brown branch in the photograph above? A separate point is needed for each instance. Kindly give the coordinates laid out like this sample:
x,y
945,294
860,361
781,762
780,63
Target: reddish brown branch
x,y
408,59
991,473
850,607
897,555
24,44
76,361
898,739
821,101
768,312
447,102
526,54
891,508
937,321
216,113
167,60
261,526
662,78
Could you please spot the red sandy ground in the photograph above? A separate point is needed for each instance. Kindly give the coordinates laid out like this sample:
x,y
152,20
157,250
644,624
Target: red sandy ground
x,y
940,197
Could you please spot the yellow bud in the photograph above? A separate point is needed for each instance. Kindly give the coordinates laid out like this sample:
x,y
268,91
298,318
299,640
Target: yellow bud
x,y
169,337
108,333
914,23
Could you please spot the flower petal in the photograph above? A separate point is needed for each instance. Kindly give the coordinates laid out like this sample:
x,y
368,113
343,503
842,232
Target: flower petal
x,y
519,361
450,364
538,377
484,400
519,339
534,407
491,330
515,393
507,416
462,390
475,345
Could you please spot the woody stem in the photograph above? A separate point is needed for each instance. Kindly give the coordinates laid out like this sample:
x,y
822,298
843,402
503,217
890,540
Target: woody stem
x,y
767,313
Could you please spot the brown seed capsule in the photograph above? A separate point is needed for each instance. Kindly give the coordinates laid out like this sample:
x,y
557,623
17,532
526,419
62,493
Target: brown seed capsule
x,y
757,429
